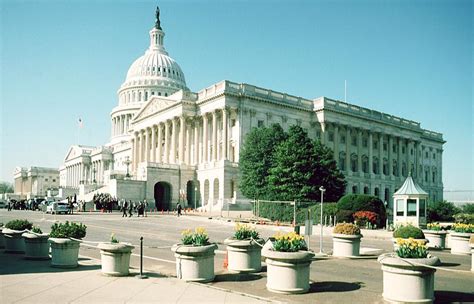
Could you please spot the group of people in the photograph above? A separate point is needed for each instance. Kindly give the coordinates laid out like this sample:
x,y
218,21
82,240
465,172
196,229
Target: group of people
x,y
104,201
129,207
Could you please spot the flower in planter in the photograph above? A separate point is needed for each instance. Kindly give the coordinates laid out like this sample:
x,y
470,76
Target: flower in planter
x,y
411,248
463,228
113,239
19,225
289,242
68,230
244,231
346,228
434,226
363,218
197,238
36,229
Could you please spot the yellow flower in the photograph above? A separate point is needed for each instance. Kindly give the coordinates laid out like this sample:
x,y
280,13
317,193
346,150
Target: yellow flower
x,y
186,232
200,230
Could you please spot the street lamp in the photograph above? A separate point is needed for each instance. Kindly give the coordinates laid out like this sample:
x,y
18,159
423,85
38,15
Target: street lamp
x,y
127,162
195,197
93,172
321,220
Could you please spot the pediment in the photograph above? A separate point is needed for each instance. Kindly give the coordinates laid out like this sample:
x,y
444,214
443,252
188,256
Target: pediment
x,y
75,151
155,105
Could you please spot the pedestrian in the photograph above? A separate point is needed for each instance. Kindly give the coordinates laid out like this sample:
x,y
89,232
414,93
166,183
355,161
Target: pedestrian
x,y
130,208
124,209
179,209
145,206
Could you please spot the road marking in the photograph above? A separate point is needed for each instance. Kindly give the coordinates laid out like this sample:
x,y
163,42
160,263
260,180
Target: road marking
x,y
156,259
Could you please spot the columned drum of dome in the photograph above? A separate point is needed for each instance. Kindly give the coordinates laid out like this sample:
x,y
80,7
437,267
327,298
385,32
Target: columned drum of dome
x,y
154,73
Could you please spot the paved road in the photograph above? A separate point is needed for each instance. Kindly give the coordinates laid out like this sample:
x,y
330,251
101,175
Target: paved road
x,y
334,280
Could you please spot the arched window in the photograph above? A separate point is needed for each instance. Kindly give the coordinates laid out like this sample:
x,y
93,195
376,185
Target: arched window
x,y
139,96
366,190
146,96
404,169
342,161
387,195
354,189
354,163
365,164
375,165
376,192
385,166
395,168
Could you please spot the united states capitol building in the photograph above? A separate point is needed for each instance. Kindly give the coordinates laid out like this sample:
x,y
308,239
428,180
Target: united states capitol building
x,y
169,143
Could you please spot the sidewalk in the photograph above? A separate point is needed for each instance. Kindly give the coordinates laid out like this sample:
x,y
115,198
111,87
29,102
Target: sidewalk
x,y
26,281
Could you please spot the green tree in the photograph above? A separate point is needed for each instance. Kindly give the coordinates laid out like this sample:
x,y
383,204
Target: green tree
x,y
256,158
442,211
6,187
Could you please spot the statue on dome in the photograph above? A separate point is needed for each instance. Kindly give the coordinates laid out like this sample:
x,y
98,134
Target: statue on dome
x,y
157,22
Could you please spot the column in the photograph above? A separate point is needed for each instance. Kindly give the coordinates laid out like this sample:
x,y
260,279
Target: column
x,y
390,155
173,141
417,160
147,145
225,140
408,153
371,171
160,142
133,152
348,149
187,155
399,160
167,134
359,152
196,141
153,143
182,127
204,139
323,133
214,136
336,143
381,155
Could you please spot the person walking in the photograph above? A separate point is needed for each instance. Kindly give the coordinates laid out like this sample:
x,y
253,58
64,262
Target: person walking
x,y
124,209
145,207
179,209
130,208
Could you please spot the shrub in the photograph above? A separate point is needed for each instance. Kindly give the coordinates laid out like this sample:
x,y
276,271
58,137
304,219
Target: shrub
x,y
463,228
411,249
68,230
362,202
442,211
434,227
197,238
36,229
464,218
243,232
344,216
289,242
346,228
283,212
408,231
468,208
19,225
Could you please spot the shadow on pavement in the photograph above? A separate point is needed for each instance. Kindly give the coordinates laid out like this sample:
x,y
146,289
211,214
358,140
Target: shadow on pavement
x,y
448,264
237,277
444,296
334,286
17,264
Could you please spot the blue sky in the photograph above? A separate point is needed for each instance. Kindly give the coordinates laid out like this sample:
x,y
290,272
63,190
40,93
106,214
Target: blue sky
x,y
61,60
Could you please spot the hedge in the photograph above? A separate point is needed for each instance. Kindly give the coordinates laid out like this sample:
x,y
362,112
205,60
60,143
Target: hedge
x,y
284,212
351,203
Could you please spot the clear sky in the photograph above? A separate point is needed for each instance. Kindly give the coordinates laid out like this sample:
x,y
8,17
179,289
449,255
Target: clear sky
x,y
61,60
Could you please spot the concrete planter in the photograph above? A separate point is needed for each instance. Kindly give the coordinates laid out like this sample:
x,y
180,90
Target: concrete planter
x,y
472,256
288,272
395,245
345,245
460,243
436,239
115,258
2,239
194,263
244,255
14,242
36,246
64,253
407,282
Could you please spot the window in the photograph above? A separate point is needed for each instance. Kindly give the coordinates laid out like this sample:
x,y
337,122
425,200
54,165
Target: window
x,y
376,192
434,155
426,154
364,142
434,177
159,93
400,207
404,169
166,94
385,146
45,179
260,123
354,189
365,165
426,176
422,208
403,150
354,164
54,180
343,139
411,151
411,207
354,141
232,122
366,190
385,167
375,166
394,149
331,136
375,144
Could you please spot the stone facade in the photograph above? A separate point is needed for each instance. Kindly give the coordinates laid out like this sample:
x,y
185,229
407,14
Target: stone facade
x,y
35,181
169,143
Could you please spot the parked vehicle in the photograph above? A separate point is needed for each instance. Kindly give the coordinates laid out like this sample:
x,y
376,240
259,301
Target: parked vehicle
x,y
57,207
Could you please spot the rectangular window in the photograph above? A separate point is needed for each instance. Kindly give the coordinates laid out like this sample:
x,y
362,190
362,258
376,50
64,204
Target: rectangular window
x,y
45,179
422,208
411,207
403,150
343,139
434,156
426,154
331,136
394,149
354,141
385,146
364,142
232,122
54,180
260,123
400,207
375,144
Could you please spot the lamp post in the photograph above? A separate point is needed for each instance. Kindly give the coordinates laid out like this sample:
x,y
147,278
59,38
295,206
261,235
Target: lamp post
x,y
127,162
321,220
195,197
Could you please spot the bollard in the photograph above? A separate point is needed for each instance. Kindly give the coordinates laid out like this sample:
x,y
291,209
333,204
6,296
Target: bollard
x,y
141,275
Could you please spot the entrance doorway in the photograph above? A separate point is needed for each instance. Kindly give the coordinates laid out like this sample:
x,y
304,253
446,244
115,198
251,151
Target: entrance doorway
x,y
162,196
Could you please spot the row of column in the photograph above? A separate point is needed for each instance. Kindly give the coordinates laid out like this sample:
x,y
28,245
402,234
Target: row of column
x,y
85,173
74,174
400,158
183,140
121,124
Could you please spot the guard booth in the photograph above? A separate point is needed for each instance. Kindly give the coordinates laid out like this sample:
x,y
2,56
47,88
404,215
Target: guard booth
x,y
410,204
